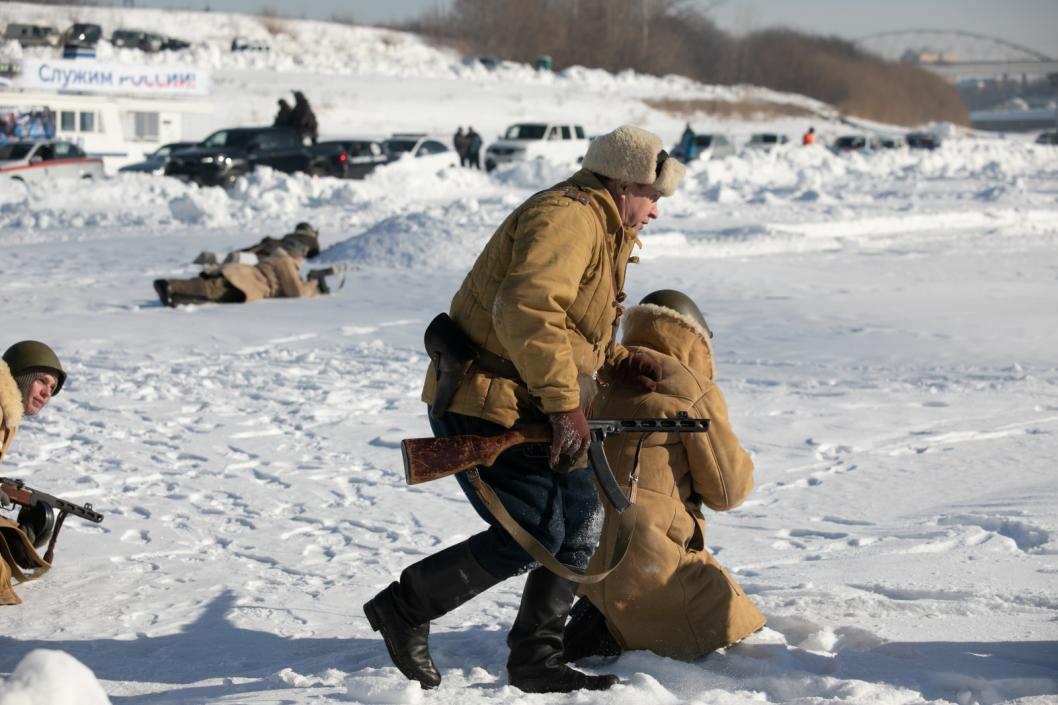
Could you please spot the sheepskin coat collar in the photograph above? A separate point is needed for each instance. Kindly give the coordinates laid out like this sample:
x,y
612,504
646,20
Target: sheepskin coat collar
x,y
10,408
667,331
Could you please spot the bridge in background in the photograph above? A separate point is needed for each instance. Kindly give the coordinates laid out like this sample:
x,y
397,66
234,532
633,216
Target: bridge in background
x,y
961,56
958,55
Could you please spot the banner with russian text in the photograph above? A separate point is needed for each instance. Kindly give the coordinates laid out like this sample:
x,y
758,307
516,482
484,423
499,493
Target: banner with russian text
x,y
86,76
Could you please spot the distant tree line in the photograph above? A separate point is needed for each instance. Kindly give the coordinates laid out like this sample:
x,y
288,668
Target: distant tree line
x,y
669,36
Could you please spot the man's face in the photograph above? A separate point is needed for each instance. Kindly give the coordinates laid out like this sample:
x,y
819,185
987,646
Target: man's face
x,y
39,394
638,204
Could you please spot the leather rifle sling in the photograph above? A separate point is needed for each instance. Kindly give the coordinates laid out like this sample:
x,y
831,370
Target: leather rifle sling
x,y
625,529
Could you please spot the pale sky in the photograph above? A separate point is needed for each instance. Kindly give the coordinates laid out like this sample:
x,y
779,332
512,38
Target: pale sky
x,y
1032,23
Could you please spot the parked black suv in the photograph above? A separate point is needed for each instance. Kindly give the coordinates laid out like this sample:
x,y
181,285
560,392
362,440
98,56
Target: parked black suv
x,y
226,155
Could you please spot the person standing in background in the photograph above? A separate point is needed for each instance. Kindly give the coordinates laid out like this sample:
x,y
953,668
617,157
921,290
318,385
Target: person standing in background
x,y
473,148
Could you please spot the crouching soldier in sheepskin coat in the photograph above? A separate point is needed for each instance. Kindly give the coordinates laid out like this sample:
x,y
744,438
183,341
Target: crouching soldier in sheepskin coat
x,y
669,595
275,276
30,374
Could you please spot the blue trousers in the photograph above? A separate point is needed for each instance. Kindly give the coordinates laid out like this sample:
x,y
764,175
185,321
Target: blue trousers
x,y
561,511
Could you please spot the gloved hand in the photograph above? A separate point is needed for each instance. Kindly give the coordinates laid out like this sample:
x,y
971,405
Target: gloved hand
x,y
639,369
569,437
320,275
5,501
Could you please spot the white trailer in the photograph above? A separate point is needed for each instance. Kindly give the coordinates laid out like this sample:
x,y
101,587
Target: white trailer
x,y
116,113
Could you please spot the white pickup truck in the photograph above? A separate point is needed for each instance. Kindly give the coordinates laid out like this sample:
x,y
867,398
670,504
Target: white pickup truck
x,y
556,142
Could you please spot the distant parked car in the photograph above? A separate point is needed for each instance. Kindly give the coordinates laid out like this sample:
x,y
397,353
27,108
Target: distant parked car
x,y
135,39
864,144
47,159
922,140
1047,137
32,35
361,155
706,146
417,145
766,141
489,62
891,141
83,34
174,44
145,41
155,161
126,38
537,140
243,44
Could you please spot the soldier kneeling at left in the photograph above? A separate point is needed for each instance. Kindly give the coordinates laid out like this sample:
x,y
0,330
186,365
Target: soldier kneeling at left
x,y
275,276
30,375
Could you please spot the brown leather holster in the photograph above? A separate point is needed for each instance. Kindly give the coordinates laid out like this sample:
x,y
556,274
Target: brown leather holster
x,y
452,354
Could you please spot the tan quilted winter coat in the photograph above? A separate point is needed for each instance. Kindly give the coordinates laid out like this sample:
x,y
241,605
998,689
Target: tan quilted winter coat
x,y
670,595
275,276
16,552
541,294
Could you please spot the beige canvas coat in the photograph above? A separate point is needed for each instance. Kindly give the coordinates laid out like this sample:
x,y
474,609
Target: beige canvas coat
x,y
275,276
543,295
17,554
669,594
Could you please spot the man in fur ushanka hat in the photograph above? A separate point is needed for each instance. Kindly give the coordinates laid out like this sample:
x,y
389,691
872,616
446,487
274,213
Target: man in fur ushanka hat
x,y
669,595
537,314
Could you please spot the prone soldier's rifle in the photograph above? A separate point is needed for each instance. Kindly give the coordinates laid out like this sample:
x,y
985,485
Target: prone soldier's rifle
x,y
427,459
24,496
320,276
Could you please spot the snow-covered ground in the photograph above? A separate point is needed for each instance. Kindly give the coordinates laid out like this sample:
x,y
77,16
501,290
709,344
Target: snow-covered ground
x,y
886,338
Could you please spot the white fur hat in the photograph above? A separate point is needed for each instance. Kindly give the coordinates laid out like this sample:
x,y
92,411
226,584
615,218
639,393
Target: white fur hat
x,y
632,154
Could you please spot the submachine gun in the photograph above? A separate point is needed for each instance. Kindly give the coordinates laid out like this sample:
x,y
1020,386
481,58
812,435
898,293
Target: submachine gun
x,y
41,506
427,459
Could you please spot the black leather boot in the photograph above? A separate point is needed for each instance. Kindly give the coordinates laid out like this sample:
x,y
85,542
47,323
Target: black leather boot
x,y
587,634
427,590
536,661
161,286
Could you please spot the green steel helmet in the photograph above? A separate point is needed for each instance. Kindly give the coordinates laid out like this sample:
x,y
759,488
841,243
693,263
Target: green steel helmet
x,y
28,354
678,302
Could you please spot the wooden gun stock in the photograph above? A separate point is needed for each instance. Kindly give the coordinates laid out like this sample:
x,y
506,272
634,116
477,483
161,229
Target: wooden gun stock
x,y
427,459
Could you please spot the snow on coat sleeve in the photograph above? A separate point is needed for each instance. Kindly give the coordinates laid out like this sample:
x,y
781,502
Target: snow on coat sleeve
x,y
551,250
721,471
